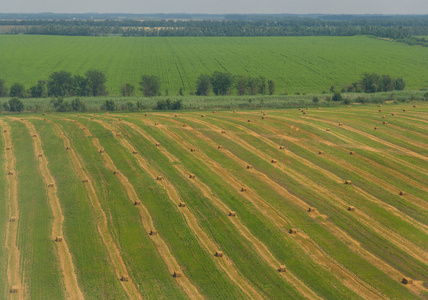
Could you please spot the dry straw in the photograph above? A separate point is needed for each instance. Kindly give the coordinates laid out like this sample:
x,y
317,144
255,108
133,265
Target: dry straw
x,y
292,231
232,214
348,182
218,254
58,239
124,278
328,129
312,209
137,203
282,268
177,274
13,290
406,281
351,208
182,204
153,232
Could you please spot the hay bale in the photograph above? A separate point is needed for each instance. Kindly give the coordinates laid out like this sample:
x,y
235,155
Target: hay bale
x,y
318,107
392,114
340,124
124,278
22,119
249,121
220,147
117,134
192,150
5,130
402,193
137,202
351,208
182,204
101,151
177,274
320,152
380,110
43,114
78,116
58,239
249,166
348,182
153,232
383,117
45,119
304,112
218,254
157,144
92,118
351,152
8,148
192,176
115,172
14,290
156,124
67,148
145,115
40,155
12,219
282,268
243,189
234,111
274,161
263,118
159,178
176,116
328,129
85,180
213,111
379,106
414,105
202,116
134,152
312,209
119,120
375,128
264,114
384,123
50,185
406,281
184,125
232,214
404,110
10,173
281,147
223,131
292,231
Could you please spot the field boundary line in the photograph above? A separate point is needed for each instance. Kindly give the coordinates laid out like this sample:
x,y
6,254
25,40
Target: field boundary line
x,y
14,256
72,288
102,223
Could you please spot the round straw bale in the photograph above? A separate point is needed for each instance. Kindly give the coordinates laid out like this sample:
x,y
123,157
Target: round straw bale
x,y
218,254
243,189
192,150
351,152
177,274
249,121
402,193
156,124
220,147
406,281
348,182
202,116
304,112
282,268
383,117
234,111
380,110
223,131
328,129
320,152
137,202
159,178
67,148
8,148
101,151
45,119
182,204
10,173
213,111
157,144
263,118
12,219
184,125
176,116
249,166
50,185
404,110
85,180
351,208
192,176
117,134
134,152
40,155
292,231
58,239
375,128
5,130
274,161
153,232
392,114
414,105
92,118
232,214
124,278
146,115
115,172
384,123
312,209
340,124
318,107
281,147
13,290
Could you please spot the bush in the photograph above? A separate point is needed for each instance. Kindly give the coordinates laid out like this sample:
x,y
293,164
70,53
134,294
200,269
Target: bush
x,y
337,96
60,105
168,105
315,100
150,85
78,105
109,105
17,90
15,105
3,89
127,90
426,96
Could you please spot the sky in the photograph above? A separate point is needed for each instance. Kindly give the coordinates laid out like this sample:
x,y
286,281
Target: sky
x,y
217,6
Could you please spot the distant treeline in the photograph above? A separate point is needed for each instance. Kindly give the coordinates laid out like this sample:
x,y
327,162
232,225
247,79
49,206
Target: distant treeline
x,y
393,27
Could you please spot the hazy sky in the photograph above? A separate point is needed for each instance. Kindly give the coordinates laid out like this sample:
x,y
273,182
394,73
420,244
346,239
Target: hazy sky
x,y
218,6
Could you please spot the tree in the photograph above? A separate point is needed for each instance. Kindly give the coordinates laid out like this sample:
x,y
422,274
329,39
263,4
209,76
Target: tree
x,y
271,87
96,82
400,84
39,90
60,84
241,85
3,89
150,85
370,83
253,85
109,105
80,86
203,85
221,82
262,85
337,96
78,105
127,90
386,83
16,105
17,90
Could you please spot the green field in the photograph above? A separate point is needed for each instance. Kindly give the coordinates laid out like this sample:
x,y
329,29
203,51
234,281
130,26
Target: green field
x,y
103,182
296,64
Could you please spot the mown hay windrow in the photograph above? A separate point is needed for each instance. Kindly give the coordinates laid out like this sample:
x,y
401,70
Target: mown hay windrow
x,y
282,268
58,239
177,274
292,231
218,254
124,278
232,214
351,208
406,281
312,209
182,204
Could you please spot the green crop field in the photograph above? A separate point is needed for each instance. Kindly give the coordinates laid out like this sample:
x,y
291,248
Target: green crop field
x,y
327,204
296,64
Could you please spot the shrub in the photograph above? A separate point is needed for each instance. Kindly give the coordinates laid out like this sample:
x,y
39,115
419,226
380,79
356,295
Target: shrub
x,y
78,105
17,90
315,100
337,96
109,105
16,105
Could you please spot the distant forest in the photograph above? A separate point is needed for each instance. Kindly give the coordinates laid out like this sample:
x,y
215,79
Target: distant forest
x,y
400,28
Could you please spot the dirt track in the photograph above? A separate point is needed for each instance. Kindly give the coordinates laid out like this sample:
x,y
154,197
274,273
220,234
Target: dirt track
x,y
102,224
13,263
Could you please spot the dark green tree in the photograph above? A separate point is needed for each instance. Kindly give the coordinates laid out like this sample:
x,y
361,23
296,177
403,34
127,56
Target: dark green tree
x,y
80,86
39,90
109,105
60,84
241,85
337,96
221,82
400,84
203,85
253,85
262,85
96,82
15,105
271,87
127,90
370,83
3,89
78,105
386,83
17,90
150,85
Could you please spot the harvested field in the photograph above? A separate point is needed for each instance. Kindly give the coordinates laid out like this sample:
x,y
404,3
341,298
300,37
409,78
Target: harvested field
x,y
285,208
